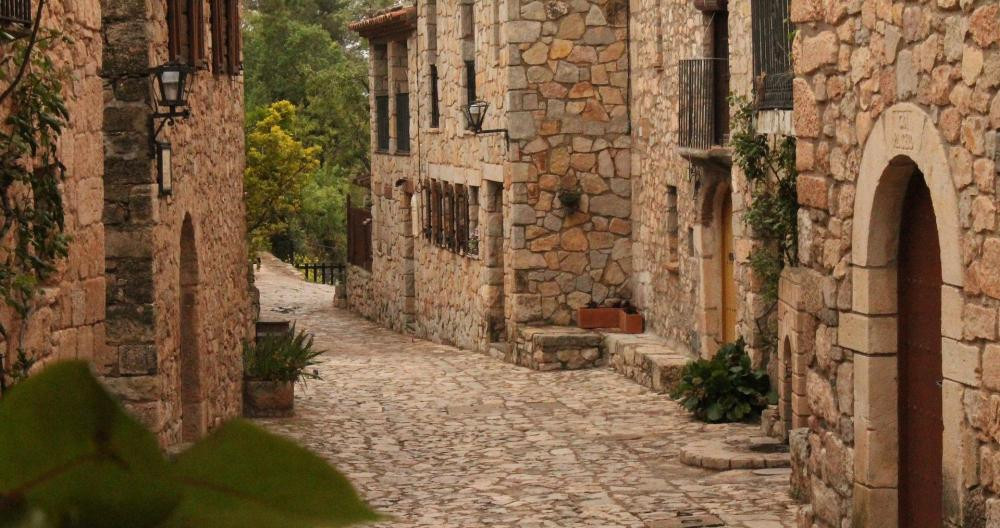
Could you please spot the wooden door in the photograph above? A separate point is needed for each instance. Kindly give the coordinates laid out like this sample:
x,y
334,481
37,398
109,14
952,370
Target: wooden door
x,y
920,423
729,298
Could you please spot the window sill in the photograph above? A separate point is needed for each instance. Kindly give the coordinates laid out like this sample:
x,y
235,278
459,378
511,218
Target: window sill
x,y
717,154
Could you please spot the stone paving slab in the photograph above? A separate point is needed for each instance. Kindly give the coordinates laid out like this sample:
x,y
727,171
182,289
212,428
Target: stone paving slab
x,y
444,438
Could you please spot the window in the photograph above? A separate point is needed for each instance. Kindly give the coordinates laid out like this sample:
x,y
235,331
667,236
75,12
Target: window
x,y
403,122
472,223
427,215
772,65
380,66
468,28
436,214
226,37
15,11
470,81
382,121
435,108
672,227
186,31
449,216
461,219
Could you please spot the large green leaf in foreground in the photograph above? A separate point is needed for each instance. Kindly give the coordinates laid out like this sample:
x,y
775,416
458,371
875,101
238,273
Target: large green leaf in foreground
x,y
69,450
242,476
71,457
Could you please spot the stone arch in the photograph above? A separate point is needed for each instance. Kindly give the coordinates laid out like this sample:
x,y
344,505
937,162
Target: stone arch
x,y
708,233
192,397
903,141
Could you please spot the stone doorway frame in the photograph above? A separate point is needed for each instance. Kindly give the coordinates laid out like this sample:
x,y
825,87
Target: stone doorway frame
x,y
715,184
903,139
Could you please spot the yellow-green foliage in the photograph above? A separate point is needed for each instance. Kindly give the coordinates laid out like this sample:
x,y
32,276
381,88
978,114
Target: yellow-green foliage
x,y
279,166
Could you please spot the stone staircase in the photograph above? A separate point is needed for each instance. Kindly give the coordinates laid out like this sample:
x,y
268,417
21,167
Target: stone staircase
x,y
649,360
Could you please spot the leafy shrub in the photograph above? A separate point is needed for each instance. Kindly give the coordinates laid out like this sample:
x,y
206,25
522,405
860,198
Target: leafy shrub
x,y
71,457
280,357
725,388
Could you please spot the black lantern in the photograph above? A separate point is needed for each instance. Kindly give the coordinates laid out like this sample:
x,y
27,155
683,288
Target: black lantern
x,y
171,78
475,114
164,168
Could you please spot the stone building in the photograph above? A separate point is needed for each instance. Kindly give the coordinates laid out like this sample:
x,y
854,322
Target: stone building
x,y
469,235
154,290
889,324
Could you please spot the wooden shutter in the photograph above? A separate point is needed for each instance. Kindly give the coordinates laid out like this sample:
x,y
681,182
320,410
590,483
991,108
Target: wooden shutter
x,y
174,28
196,32
219,40
234,47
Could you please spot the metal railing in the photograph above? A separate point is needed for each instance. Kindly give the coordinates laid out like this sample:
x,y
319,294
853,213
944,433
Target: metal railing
x,y
322,273
772,62
15,11
703,109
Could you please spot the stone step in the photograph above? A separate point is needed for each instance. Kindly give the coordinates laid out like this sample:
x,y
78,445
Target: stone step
x,y
557,348
649,360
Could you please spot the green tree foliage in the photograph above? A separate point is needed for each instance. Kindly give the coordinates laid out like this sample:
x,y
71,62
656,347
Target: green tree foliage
x,y
301,51
71,457
278,168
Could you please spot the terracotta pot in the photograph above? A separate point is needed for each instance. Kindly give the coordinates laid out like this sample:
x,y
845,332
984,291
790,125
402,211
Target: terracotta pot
x,y
630,323
268,399
590,318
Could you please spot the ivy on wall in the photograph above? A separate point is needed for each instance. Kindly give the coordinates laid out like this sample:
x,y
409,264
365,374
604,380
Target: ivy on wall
x,y
32,237
772,214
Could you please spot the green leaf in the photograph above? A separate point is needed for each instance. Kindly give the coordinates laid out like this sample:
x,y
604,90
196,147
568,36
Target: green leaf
x,y
69,450
714,412
241,476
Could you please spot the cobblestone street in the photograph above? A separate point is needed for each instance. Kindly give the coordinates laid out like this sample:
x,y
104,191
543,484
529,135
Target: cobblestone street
x,y
439,437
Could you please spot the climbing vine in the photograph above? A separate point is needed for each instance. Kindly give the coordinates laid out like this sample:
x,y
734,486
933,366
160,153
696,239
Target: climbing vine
x,y
772,214
32,237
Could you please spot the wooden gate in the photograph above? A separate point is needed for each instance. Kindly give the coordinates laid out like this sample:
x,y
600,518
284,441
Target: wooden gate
x,y
920,420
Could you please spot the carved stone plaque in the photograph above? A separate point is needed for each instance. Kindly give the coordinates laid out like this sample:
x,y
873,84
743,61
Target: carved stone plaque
x,y
902,136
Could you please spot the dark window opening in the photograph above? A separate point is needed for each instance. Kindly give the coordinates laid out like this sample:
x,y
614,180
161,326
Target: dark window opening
x,y
382,122
435,108
403,122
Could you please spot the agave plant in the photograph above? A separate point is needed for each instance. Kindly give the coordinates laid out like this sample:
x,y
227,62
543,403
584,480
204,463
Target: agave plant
x,y
281,357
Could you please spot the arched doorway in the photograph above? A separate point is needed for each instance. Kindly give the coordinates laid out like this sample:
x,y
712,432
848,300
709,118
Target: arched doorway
x,y
919,359
192,400
907,259
728,275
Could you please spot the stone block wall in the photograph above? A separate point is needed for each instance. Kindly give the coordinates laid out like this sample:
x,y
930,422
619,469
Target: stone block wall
x,y
883,88
68,320
676,277
569,127
180,372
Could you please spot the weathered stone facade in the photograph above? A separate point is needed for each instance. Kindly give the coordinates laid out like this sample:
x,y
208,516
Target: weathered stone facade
x,y
888,94
155,289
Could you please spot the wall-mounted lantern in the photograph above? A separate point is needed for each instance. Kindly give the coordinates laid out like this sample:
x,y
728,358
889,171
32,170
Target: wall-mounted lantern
x,y
164,168
171,91
475,114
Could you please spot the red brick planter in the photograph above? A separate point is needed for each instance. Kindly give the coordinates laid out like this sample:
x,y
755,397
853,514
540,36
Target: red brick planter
x,y
591,318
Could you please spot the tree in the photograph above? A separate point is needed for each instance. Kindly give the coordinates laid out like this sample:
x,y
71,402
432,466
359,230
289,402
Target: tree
x,y
278,168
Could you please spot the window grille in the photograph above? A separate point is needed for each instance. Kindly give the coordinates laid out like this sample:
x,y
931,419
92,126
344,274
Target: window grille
x,y
772,64
700,108
15,11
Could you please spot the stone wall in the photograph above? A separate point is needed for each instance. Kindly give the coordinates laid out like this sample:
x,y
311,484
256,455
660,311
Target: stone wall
x,y
569,125
181,378
68,320
675,198
881,89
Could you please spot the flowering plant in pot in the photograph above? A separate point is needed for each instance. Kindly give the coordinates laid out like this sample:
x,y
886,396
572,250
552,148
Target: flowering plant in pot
x,y
271,366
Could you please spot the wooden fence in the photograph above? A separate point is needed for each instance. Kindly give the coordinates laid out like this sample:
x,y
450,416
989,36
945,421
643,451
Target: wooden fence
x,y
323,273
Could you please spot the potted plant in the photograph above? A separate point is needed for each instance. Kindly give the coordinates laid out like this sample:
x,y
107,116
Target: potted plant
x,y
570,198
271,366
630,321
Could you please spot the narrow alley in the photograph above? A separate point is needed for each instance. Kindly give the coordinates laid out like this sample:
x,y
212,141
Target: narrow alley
x,y
439,437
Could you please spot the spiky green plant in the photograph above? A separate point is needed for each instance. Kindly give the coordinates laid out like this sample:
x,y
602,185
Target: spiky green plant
x,y
281,357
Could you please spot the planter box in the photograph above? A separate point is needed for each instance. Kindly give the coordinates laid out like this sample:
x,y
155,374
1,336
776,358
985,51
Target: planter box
x,y
591,318
268,399
630,323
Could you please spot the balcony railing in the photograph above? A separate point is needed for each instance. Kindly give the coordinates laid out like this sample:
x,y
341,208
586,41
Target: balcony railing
x,y
15,11
704,108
